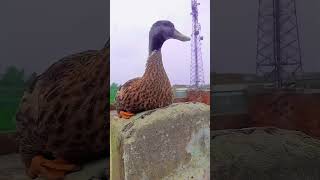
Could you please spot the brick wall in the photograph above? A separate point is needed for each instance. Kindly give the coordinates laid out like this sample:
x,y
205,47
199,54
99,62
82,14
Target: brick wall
x,y
287,110
230,121
198,96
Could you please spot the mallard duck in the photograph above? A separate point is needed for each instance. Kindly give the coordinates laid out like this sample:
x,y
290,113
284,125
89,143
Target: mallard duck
x,y
61,121
153,89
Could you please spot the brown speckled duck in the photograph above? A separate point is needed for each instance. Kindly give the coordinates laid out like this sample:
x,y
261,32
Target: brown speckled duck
x,y
62,119
153,89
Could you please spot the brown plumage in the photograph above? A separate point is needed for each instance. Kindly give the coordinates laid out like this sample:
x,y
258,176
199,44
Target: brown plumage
x,y
64,113
153,90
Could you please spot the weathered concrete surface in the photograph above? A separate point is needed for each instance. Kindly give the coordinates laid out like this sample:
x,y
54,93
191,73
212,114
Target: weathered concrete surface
x,y
11,168
264,154
167,143
97,170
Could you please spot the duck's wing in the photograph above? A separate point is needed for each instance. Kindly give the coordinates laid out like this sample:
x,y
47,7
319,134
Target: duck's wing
x,y
123,89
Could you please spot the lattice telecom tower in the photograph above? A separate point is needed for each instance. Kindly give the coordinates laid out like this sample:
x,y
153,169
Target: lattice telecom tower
x,y
278,46
196,73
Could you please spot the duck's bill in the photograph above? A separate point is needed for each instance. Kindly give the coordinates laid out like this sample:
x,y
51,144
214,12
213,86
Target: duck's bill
x,y
179,36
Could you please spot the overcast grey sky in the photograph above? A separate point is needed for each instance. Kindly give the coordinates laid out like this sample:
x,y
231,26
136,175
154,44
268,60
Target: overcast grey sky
x,y
130,22
37,33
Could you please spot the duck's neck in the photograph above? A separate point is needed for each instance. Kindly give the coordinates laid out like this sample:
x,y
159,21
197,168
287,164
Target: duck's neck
x,y
155,42
155,71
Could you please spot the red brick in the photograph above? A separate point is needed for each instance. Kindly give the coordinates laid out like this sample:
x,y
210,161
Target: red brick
x,y
295,111
198,96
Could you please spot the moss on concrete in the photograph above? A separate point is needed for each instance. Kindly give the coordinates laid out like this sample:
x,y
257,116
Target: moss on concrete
x,y
116,165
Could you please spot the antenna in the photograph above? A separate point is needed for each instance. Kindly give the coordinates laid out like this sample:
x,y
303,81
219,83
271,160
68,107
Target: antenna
x,y
196,70
278,45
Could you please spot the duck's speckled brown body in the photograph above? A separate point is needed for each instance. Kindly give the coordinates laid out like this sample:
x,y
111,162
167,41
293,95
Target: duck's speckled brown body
x,y
152,90
64,113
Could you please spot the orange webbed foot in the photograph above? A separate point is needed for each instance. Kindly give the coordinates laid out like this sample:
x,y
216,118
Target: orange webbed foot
x,y
125,115
51,169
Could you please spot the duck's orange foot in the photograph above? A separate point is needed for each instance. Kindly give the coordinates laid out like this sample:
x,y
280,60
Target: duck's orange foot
x,y
125,115
50,169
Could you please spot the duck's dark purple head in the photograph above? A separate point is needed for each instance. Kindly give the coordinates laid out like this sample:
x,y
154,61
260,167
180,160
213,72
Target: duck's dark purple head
x,y
162,31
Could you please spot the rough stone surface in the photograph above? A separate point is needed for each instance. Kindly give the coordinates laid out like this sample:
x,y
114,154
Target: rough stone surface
x,y
97,170
264,153
11,168
166,143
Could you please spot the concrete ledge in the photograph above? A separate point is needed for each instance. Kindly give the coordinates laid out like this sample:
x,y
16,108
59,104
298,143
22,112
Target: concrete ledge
x,y
97,170
264,153
166,143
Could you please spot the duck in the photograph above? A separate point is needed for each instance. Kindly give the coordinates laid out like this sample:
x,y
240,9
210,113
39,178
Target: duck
x,y
152,90
61,122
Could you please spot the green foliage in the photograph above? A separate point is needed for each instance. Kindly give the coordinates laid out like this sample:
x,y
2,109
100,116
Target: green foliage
x,y
113,91
12,84
9,102
13,77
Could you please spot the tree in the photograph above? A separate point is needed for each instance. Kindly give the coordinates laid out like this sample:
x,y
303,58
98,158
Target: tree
x,y
114,85
113,91
13,77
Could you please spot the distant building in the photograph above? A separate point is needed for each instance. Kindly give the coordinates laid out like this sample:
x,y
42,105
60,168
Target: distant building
x,y
229,98
180,92
234,78
183,93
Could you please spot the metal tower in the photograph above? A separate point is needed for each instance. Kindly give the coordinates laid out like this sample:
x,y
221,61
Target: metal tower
x,y
278,47
196,73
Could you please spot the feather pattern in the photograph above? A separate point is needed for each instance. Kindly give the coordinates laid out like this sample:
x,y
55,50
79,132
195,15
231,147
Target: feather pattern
x,y
151,91
64,113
